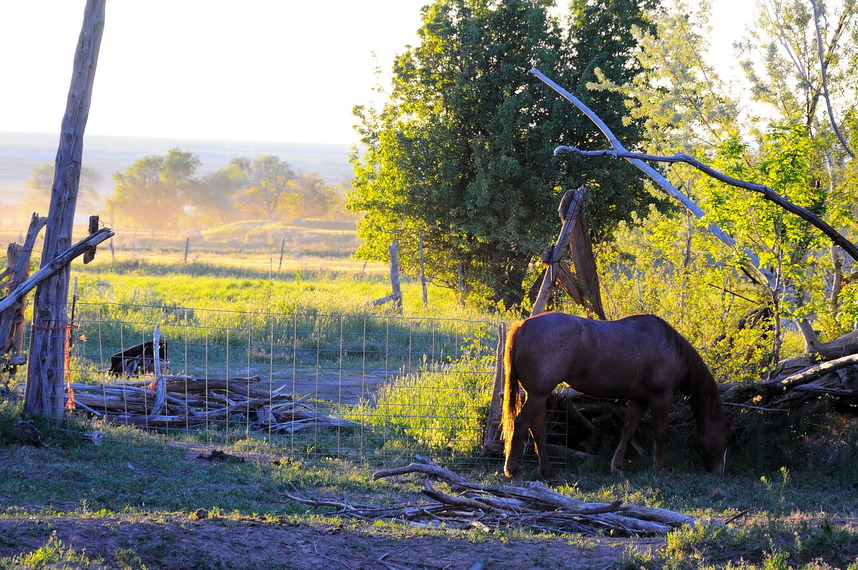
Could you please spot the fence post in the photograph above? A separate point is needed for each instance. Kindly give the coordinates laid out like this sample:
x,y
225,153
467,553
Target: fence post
x,y
422,273
491,434
396,289
46,374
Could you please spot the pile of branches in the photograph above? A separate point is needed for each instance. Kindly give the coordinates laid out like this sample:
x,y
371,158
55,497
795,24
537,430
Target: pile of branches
x,y
187,401
490,507
824,380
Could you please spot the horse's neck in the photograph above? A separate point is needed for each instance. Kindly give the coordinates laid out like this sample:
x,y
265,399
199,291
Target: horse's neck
x,y
705,401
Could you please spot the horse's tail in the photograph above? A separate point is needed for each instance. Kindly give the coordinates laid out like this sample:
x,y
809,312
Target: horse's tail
x,y
510,390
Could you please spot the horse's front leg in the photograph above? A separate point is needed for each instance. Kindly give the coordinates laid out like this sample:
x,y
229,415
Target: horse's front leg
x,y
634,413
529,412
660,407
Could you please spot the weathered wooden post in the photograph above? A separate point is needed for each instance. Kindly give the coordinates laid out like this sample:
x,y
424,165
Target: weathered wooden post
x,y
422,273
46,374
282,249
396,289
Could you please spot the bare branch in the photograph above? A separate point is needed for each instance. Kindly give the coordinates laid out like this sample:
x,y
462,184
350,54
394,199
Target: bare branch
x,y
652,173
823,69
769,194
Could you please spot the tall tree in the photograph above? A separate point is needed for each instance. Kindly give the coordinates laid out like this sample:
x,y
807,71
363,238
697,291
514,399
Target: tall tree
x,y
460,156
153,192
270,190
211,195
800,62
601,47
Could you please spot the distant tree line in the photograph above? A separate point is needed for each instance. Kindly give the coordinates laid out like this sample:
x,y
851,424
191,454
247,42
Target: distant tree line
x,y
165,192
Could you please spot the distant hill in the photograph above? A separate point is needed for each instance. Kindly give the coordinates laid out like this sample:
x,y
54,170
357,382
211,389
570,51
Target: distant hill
x,y
20,153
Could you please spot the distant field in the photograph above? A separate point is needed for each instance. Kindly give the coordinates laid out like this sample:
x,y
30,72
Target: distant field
x,y
21,153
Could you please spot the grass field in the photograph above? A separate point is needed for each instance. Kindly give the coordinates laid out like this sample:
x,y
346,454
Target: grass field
x,y
134,499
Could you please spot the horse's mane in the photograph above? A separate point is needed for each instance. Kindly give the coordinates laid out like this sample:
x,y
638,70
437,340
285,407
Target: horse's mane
x,y
699,385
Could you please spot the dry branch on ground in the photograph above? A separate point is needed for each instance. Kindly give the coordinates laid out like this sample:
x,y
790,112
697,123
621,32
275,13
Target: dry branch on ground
x,y
192,401
489,507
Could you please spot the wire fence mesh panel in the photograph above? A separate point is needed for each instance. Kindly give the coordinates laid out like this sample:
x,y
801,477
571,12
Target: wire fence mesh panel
x,y
373,386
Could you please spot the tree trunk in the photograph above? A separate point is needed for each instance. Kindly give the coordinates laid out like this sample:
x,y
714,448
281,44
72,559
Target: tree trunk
x,y
44,394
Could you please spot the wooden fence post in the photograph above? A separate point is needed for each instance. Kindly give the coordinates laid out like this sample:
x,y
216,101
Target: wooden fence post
x,y
422,273
492,430
396,289
45,393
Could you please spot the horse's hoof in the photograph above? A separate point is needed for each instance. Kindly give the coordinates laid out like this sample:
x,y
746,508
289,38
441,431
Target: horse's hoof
x,y
514,475
616,472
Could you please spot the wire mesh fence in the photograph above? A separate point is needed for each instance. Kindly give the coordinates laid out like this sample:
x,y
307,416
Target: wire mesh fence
x,y
376,387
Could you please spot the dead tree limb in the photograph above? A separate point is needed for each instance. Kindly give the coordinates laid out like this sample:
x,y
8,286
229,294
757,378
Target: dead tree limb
x,y
57,264
652,173
535,505
836,237
808,375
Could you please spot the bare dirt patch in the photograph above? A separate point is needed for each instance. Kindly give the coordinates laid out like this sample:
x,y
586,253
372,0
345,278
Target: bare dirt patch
x,y
183,541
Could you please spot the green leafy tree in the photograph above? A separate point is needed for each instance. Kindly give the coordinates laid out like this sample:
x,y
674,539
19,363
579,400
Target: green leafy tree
x,y
316,198
460,156
800,60
154,191
667,263
211,195
270,191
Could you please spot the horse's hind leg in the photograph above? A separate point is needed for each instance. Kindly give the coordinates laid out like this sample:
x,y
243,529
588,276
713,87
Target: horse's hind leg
x,y
634,413
537,432
524,421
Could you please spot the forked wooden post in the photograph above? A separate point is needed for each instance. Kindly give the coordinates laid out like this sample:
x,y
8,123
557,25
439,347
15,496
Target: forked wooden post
x,y
576,204
45,394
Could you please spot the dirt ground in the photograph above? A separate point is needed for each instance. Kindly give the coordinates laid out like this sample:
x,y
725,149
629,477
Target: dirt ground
x,y
186,541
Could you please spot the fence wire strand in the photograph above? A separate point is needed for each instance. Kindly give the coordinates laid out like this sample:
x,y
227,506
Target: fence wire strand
x,y
374,387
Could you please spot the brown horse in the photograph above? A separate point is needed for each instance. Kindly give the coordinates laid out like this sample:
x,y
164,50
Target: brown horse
x,y
641,359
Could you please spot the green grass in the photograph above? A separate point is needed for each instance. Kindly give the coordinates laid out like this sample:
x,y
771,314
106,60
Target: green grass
x,y
794,484
792,521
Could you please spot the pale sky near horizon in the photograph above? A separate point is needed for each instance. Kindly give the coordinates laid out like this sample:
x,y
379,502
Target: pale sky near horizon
x,y
255,70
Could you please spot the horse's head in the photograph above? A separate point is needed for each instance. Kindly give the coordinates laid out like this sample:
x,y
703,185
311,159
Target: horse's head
x,y
713,447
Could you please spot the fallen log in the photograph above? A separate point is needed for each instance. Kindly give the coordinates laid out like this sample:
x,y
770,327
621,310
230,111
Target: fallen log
x,y
808,375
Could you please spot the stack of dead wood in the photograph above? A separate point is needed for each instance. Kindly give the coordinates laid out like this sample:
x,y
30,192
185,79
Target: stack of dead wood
x,y
489,507
820,382
189,401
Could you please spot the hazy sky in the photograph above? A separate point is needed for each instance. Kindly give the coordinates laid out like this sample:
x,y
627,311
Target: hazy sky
x,y
266,70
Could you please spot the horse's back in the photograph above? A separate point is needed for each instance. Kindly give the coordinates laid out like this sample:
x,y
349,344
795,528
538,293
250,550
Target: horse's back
x,y
627,358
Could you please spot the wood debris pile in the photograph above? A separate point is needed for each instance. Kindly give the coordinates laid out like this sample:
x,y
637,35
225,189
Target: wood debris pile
x,y
490,507
821,381
188,401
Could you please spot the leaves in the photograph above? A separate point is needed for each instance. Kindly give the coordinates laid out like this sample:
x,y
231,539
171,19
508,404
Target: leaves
x,y
460,157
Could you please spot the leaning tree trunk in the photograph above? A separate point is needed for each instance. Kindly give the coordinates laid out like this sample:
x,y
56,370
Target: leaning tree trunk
x,y
44,393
